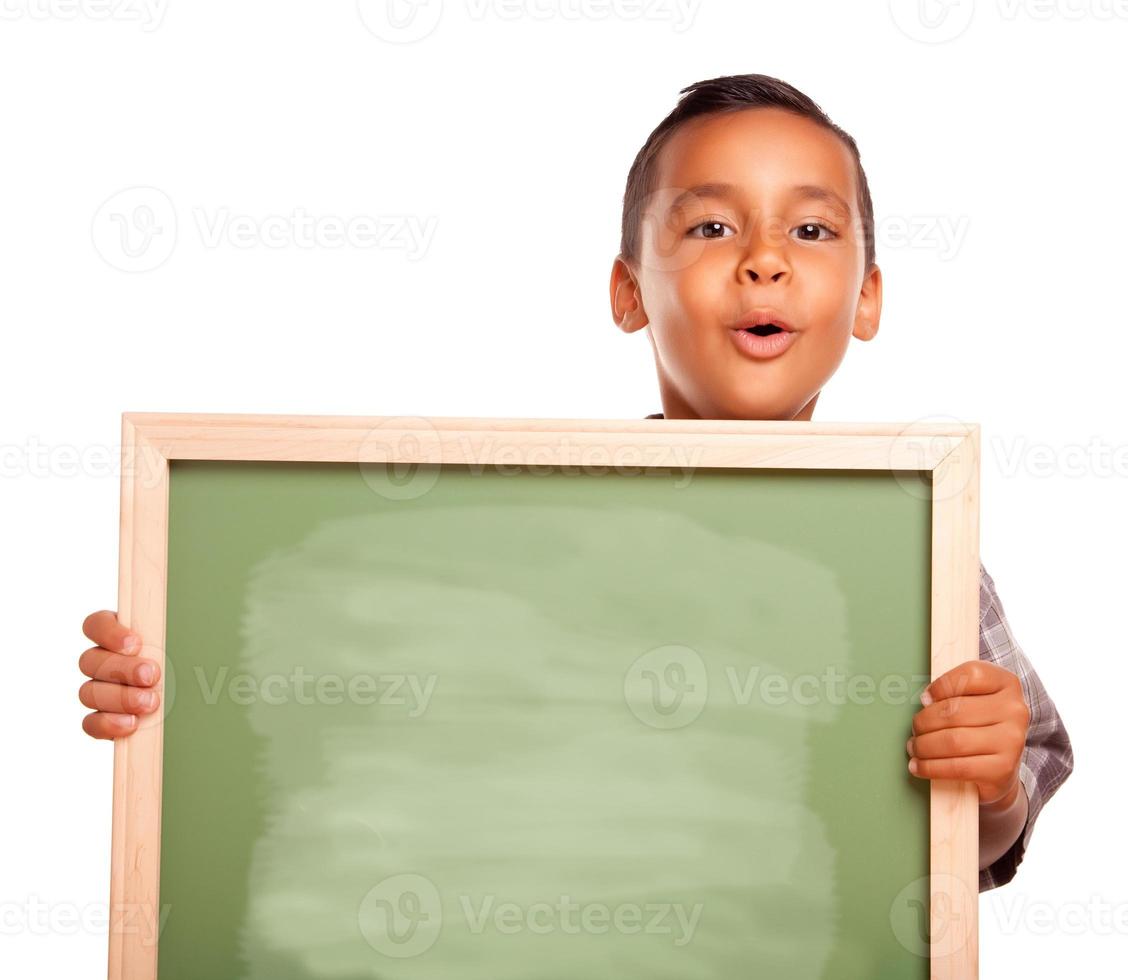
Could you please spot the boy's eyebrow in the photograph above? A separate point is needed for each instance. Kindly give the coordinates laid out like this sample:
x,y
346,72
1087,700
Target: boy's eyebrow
x,y
728,191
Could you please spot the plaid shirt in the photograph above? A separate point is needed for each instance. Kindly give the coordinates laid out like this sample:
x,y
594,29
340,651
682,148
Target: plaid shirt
x,y
1047,759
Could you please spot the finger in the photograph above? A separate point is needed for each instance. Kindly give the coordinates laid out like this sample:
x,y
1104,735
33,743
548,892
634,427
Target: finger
x,y
102,665
966,768
104,629
972,711
951,742
101,724
971,677
118,698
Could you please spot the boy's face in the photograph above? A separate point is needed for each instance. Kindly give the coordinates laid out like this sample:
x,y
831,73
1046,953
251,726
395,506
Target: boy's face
x,y
708,259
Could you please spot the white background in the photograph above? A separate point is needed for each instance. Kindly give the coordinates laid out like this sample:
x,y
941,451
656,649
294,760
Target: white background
x,y
992,137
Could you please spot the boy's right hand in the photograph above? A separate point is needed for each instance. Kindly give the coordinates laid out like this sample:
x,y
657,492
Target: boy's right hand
x,y
119,688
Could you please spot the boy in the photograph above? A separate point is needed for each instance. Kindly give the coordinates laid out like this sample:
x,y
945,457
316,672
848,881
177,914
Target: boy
x,y
749,321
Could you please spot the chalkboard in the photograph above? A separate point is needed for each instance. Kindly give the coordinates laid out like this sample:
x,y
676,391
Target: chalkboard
x,y
509,718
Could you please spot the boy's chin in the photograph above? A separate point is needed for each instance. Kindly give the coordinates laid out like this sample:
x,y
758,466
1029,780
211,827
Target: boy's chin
x,y
748,410
759,400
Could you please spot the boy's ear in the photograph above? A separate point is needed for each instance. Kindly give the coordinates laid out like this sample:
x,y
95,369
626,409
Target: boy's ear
x,y
626,298
868,315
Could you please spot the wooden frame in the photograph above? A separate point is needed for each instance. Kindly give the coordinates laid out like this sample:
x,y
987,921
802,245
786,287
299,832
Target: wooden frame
x,y
948,453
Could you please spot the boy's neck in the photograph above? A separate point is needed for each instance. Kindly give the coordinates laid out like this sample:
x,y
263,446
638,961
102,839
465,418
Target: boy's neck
x,y
676,407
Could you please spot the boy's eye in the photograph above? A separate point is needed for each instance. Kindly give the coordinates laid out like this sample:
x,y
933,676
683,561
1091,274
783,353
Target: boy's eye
x,y
711,226
809,231
813,228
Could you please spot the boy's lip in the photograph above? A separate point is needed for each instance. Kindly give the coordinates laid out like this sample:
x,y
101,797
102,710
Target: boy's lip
x,y
762,348
760,316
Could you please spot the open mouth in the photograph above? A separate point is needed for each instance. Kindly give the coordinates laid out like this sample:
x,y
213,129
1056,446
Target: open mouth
x,y
764,340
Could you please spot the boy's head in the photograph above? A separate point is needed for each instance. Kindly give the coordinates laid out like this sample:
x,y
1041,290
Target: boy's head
x,y
792,234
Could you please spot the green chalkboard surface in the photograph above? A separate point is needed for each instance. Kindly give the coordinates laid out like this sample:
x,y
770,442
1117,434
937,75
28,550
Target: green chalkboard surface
x,y
542,724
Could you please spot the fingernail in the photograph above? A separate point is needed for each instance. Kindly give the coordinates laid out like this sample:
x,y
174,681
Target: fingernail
x,y
130,721
926,699
146,699
131,642
913,766
145,674
909,746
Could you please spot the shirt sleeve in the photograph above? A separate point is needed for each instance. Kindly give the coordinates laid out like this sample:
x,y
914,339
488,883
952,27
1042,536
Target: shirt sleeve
x,y
1047,759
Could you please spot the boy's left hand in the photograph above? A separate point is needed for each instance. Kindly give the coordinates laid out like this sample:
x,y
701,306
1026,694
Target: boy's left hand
x,y
972,727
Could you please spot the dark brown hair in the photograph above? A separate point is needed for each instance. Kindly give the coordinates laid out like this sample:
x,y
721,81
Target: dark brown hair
x,y
729,94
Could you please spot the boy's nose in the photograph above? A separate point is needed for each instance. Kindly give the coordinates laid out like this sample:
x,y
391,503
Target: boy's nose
x,y
764,259
766,271
755,275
